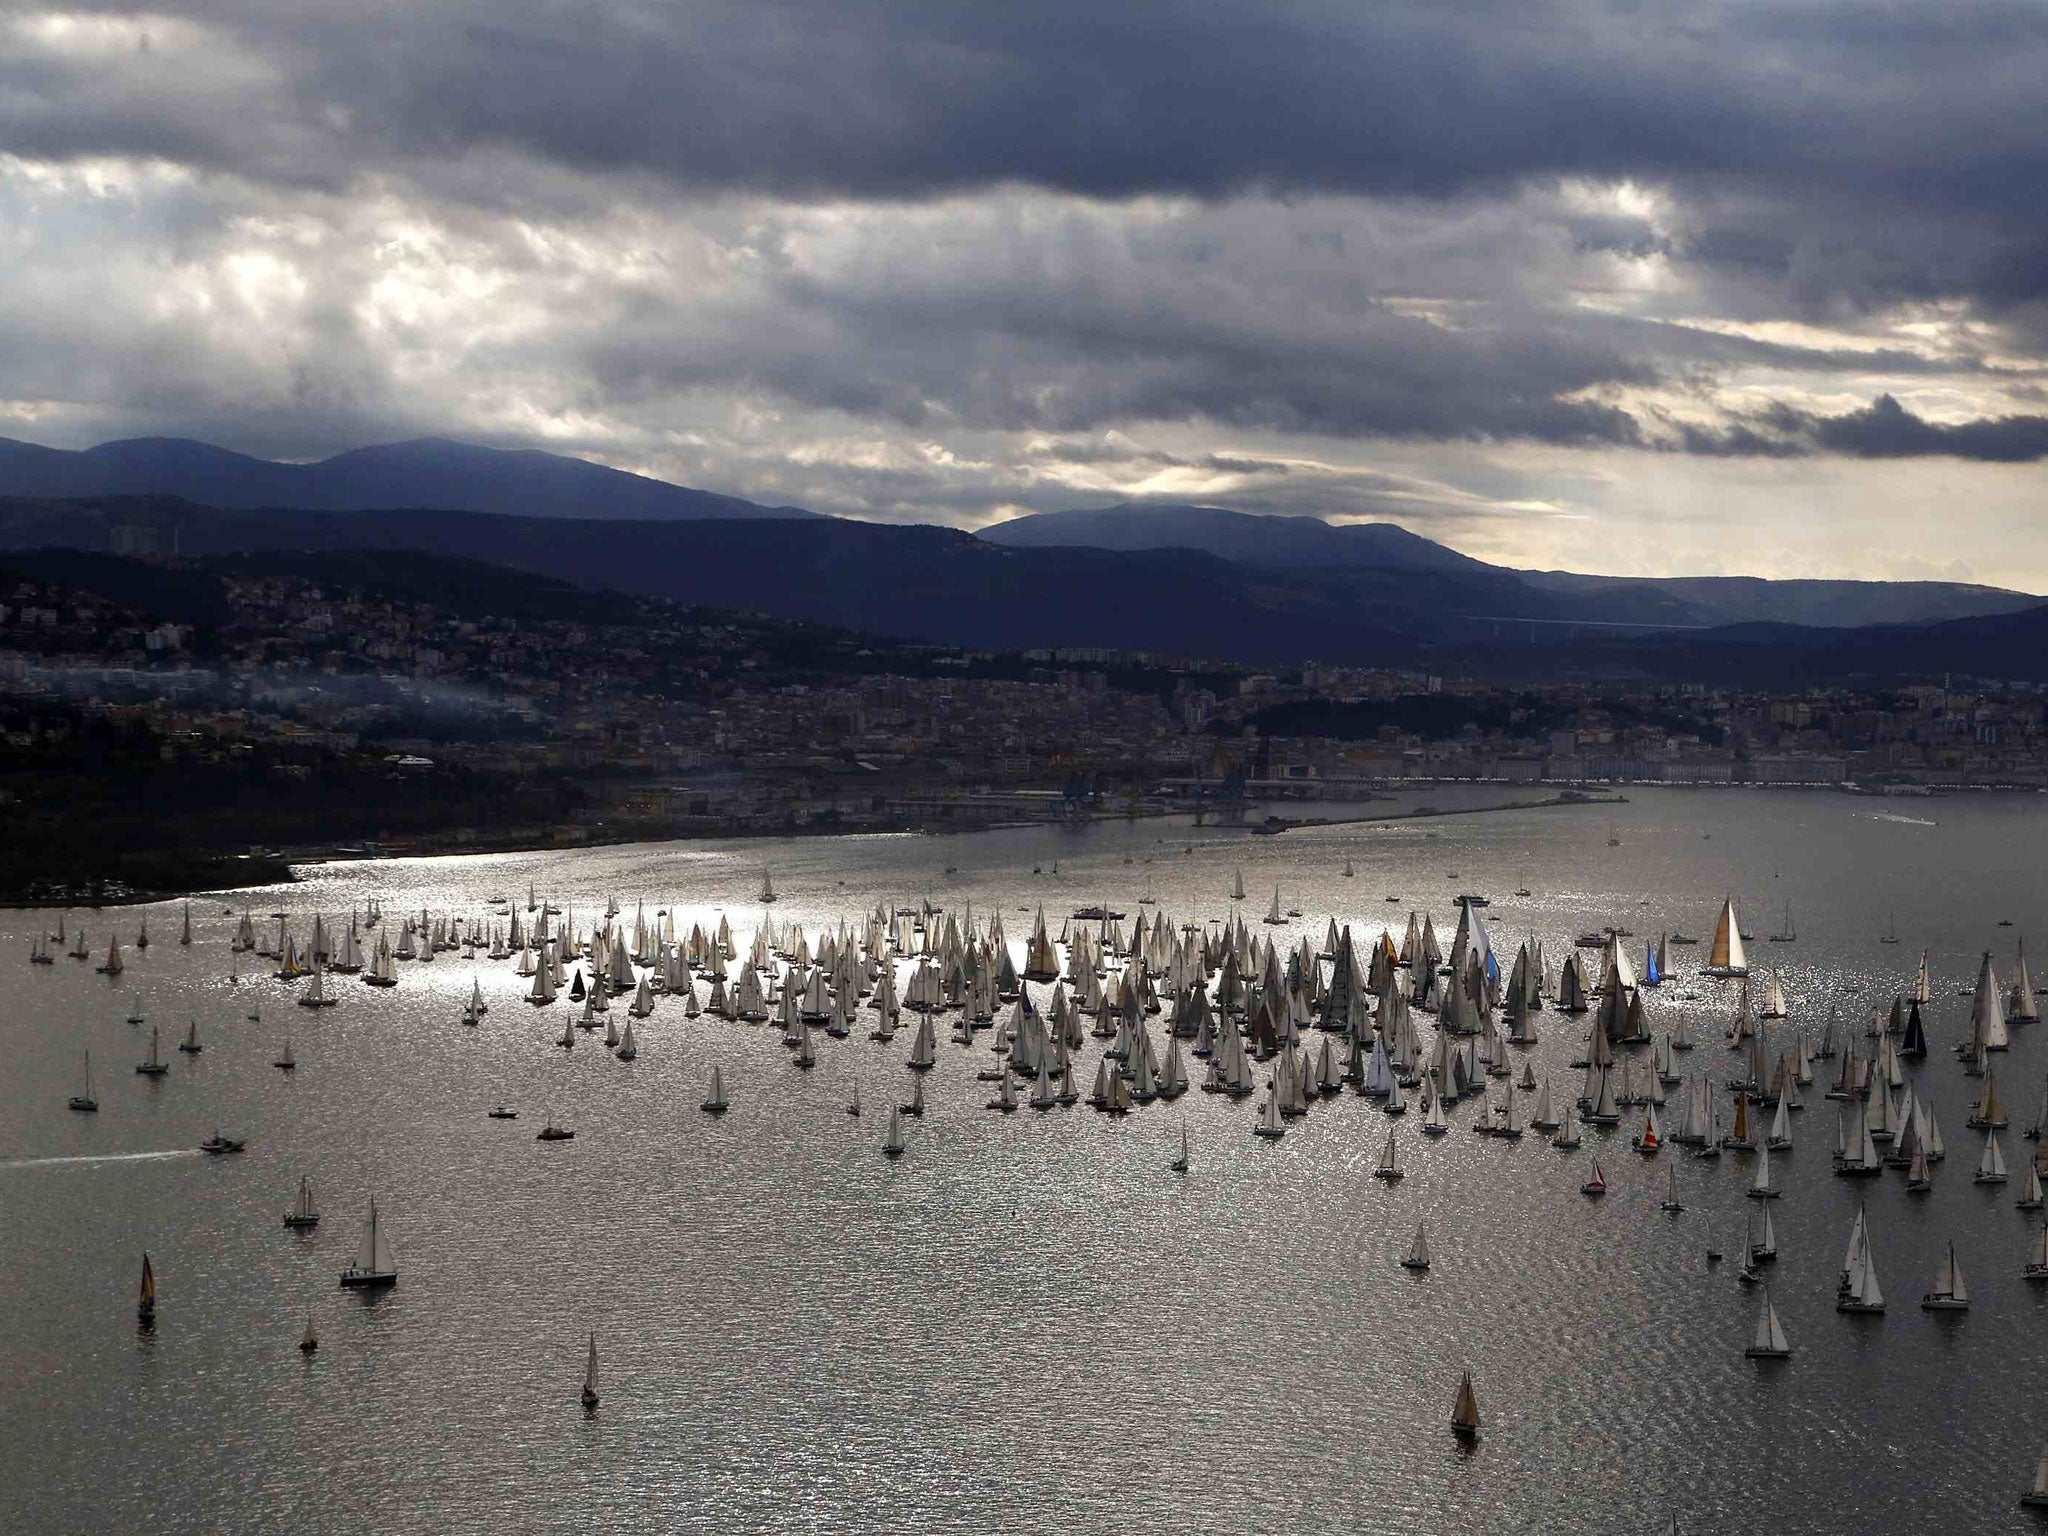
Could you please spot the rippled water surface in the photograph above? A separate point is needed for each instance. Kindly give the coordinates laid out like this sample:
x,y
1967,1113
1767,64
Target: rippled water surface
x,y
1028,1320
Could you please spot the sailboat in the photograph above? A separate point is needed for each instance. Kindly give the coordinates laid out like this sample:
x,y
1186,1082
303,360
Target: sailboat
x,y
1949,1293
1760,1187
1788,934
2037,1266
1237,885
190,1044
1465,1412
715,1101
1651,1141
1727,958
853,1104
113,967
1417,1256
1180,1164
893,1142
1671,1202
1390,1161
286,1061
1991,1165
1770,1342
1858,1289
1273,912
302,1213
767,888
153,1064
145,1301
1433,1121
1348,870
1567,1137
2036,1497
373,1267
590,1374
1269,1127
185,934
309,1341
84,1101
1891,930
1596,1182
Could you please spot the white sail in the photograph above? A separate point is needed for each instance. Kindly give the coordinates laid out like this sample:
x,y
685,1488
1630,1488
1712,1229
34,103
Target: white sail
x,y
373,1253
1417,1256
1770,1332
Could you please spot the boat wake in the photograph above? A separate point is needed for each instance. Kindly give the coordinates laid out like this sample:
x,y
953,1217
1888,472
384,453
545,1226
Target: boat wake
x,y
1904,821
101,1157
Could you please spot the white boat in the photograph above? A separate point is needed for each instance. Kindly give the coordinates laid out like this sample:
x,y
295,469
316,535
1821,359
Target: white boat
x,y
286,1061
893,1142
309,1341
374,1265
1949,1293
1991,1165
1269,1127
590,1374
1760,1187
1858,1289
715,1102
1180,1164
767,889
1417,1256
1770,1342
1237,885
153,1064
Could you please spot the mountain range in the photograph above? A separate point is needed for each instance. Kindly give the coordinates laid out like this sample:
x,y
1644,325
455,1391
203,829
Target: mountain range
x,y
1211,582
425,472
1681,602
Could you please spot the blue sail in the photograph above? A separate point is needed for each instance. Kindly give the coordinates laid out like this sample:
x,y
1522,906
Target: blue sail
x,y
1651,975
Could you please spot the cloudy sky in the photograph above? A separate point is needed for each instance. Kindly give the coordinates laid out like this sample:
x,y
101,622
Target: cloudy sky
x,y
1711,287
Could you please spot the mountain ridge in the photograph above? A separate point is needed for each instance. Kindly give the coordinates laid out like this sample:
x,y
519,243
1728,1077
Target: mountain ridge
x,y
423,472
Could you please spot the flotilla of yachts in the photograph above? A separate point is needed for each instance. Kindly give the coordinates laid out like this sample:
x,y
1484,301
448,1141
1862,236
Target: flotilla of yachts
x,y
1401,1020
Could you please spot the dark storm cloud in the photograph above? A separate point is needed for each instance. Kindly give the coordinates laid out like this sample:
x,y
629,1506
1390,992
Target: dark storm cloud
x,y
909,97
951,221
1887,430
